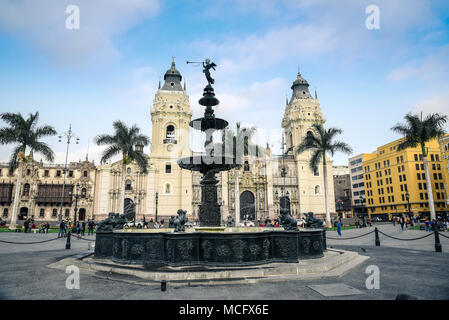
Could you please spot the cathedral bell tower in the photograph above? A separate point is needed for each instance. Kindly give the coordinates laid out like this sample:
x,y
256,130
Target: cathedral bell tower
x,y
170,116
300,113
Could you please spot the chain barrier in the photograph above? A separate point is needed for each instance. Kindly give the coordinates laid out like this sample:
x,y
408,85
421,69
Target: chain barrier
x,y
351,237
427,235
444,236
86,239
11,242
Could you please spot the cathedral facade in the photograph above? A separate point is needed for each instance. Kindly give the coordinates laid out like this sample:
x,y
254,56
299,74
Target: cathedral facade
x,y
262,179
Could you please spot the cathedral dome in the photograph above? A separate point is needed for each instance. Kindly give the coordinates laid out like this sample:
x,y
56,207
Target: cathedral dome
x,y
300,88
172,79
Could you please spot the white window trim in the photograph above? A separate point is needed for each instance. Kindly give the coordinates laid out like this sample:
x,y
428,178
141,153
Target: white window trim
x,y
314,192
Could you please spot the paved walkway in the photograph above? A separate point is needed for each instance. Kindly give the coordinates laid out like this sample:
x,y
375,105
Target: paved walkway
x,y
416,270
426,244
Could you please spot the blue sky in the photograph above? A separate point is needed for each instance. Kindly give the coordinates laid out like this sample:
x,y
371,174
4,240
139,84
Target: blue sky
x,y
109,69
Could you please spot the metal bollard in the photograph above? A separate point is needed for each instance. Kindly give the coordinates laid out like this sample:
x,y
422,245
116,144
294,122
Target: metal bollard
x,y
324,240
437,241
376,232
67,245
163,285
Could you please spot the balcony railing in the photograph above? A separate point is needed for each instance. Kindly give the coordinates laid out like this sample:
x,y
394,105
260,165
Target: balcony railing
x,y
170,140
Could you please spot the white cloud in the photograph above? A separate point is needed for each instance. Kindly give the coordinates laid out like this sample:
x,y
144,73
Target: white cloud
x,y
432,67
438,103
41,24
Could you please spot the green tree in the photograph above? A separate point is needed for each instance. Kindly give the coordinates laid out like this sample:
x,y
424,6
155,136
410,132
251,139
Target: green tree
x,y
321,142
123,143
417,132
25,134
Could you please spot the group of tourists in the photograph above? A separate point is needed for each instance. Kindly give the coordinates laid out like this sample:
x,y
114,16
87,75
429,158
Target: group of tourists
x,y
44,227
28,224
78,228
404,222
441,223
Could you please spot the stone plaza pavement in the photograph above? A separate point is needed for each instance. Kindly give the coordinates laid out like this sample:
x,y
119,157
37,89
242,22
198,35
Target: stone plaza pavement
x,y
411,267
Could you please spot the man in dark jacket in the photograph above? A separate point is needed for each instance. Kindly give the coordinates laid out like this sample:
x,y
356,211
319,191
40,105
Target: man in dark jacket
x,y
62,232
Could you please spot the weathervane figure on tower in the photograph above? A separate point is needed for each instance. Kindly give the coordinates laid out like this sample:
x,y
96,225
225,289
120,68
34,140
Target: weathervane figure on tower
x,y
207,65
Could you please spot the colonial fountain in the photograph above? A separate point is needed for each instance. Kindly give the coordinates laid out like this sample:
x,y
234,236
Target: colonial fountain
x,y
210,244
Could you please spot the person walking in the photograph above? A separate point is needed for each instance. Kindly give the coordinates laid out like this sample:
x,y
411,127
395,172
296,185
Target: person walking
x,y
402,223
62,231
339,227
89,227
78,229
427,225
83,228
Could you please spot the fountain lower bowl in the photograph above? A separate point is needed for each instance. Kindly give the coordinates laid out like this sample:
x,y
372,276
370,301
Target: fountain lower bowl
x,y
229,247
205,164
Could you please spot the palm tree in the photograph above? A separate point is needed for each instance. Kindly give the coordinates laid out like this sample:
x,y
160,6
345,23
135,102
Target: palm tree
x,y
418,132
240,140
26,134
320,142
123,143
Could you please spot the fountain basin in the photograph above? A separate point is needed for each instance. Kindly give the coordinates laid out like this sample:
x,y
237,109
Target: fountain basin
x,y
225,248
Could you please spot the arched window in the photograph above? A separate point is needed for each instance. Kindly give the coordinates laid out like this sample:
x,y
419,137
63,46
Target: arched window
x,y
128,185
317,190
54,212
85,174
246,166
26,190
83,192
42,213
170,134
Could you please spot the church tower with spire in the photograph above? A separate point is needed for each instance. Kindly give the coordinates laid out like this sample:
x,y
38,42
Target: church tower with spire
x,y
170,117
301,112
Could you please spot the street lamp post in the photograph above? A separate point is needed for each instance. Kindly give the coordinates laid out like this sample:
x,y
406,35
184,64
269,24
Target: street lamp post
x,y
69,135
362,200
157,199
407,196
76,201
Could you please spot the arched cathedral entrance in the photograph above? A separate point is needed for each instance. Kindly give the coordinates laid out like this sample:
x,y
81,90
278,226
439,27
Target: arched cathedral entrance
x,y
247,206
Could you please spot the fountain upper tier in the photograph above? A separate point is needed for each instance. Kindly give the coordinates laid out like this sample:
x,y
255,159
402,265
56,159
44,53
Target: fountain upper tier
x,y
209,121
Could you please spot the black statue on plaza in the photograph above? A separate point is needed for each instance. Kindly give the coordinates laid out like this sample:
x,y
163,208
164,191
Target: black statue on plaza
x,y
180,221
230,222
208,163
171,222
207,66
287,221
114,221
117,221
313,222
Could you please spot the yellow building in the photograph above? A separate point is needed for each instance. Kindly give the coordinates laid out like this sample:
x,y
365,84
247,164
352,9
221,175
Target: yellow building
x,y
390,175
444,147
